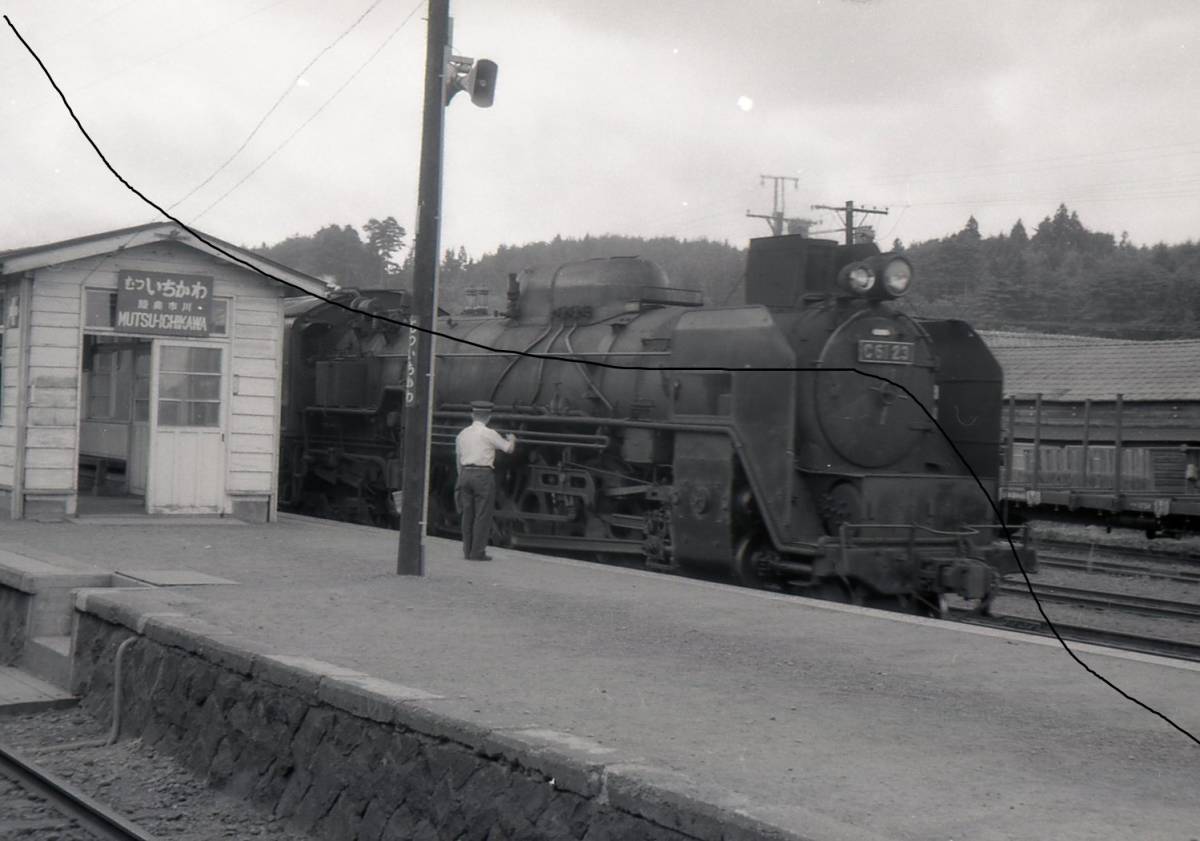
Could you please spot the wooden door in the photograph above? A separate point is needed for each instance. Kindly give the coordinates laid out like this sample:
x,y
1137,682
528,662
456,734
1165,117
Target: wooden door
x,y
187,429
139,427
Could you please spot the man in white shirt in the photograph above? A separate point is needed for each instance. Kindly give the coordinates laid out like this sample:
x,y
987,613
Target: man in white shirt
x,y
475,454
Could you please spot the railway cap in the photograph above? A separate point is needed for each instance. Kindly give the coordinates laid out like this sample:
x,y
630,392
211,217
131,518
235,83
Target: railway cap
x,y
481,407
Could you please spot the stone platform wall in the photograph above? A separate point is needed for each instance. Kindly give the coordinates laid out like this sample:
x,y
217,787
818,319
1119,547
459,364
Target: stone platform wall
x,y
14,623
347,756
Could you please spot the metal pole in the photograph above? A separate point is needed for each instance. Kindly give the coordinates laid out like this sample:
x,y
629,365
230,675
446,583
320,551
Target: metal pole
x,y
1087,438
1117,447
1009,455
410,559
1037,441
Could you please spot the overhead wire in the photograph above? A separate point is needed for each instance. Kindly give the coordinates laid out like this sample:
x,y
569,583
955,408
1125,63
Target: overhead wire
x,y
279,148
275,105
80,25
614,366
174,48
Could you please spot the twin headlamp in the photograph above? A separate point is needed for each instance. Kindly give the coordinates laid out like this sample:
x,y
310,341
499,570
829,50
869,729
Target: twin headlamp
x,y
886,276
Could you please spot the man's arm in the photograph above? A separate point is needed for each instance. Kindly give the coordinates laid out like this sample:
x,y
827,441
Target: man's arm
x,y
507,443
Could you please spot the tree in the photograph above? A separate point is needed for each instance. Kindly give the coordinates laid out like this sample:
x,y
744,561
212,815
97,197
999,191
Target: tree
x,y
970,231
385,239
1018,236
334,251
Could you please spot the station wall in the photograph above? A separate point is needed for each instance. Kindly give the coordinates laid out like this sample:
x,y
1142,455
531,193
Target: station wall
x,y
59,319
9,301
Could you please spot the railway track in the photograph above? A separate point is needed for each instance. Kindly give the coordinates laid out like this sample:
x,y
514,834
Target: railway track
x,y
1185,558
1075,563
1080,633
1142,605
74,808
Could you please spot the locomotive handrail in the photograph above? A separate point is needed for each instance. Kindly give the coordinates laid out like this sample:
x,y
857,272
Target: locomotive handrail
x,y
963,532
443,435
579,353
810,550
937,537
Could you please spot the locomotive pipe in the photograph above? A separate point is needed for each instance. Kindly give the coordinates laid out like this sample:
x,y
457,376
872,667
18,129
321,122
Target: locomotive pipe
x,y
512,363
582,370
537,380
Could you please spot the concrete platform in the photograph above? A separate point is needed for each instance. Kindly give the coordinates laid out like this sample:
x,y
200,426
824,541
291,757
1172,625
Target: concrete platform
x,y
828,721
22,693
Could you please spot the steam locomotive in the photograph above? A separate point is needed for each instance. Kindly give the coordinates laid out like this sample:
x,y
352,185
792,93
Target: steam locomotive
x,y
815,438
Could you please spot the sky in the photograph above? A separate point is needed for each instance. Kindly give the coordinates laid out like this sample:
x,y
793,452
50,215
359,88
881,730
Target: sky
x,y
646,118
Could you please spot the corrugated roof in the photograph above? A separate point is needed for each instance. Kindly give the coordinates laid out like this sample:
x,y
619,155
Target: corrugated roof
x,y
1011,338
1076,368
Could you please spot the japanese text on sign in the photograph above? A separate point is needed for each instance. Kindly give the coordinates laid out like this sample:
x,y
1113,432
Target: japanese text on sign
x,y
163,304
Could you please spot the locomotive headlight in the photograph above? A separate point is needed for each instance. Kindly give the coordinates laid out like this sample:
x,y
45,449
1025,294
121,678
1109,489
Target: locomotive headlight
x,y
897,275
860,279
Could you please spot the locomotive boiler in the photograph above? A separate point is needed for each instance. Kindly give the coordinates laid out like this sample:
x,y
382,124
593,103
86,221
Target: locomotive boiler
x,y
816,438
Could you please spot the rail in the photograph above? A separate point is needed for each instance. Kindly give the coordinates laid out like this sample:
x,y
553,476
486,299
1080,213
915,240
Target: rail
x,y
1079,633
1091,565
1127,603
91,815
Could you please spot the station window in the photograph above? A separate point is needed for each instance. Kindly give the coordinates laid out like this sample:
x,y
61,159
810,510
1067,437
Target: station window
x,y
141,387
102,386
218,322
107,364
189,387
100,308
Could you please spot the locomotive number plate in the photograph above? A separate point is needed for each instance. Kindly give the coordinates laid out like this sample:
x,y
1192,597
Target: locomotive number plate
x,y
889,353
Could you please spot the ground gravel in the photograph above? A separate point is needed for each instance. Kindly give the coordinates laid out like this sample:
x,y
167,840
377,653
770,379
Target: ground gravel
x,y
143,785
1101,545
1100,536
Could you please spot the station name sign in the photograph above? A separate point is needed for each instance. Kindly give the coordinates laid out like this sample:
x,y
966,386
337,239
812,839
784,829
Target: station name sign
x,y
164,304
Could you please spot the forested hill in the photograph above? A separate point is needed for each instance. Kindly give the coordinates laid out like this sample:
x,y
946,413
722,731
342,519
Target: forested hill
x,y
1062,277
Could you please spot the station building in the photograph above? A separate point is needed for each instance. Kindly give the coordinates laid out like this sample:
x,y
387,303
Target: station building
x,y
140,370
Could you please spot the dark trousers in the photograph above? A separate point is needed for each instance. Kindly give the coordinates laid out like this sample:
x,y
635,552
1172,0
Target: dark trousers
x,y
476,491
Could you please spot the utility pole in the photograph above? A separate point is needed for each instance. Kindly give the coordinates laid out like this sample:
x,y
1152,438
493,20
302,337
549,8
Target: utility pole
x,y
776,218
849,209
445,75
418,380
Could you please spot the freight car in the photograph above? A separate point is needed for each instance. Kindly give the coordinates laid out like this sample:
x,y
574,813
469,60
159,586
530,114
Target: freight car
x,y
1104,430
785,442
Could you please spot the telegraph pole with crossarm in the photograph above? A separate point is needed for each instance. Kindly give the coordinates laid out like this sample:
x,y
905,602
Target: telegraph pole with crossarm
x,y
777,217
849,210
